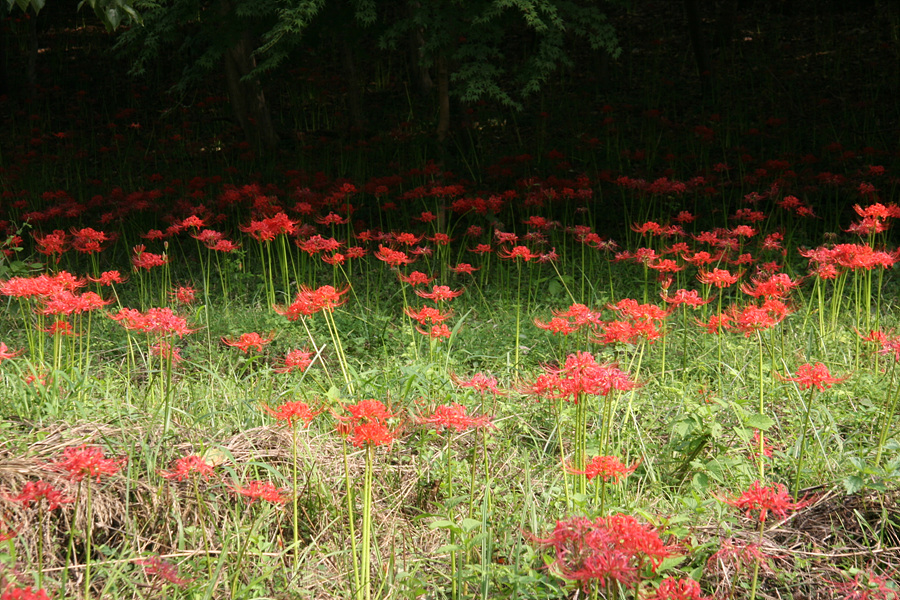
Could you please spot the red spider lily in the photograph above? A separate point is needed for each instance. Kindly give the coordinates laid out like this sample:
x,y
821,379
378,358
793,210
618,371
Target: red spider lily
x,y
52,243
61,328
665,265
67,303
87,461
394,258
813,375
249,340
605,550
89,240
161,569
225,246
582,375
193,221
440,293
184,294
267,230
437,332
453,416
167,352
147,260
7,534
309,302
407,239
518,252
368,424
735,557
317,244
720,278
867,585
335,259
650,227
259,490
332,218
6,353
773,499
701,258
685,297
606,468
556,325
188,467
776,286
480,383
294,360
672,588
754,318
35,491
505,238
482,249
464,269
639,312
25,593
415,278
716,323
441,239
109,278
40,286
156,320
291,412
428,314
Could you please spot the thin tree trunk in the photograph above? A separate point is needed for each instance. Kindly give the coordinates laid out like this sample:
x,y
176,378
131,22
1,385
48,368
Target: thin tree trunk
x,y
443,74
354,87
247,98
692,15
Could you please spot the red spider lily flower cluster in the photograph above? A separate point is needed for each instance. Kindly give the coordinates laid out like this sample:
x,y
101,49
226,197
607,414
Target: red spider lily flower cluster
x,y
296,360
261,490
160,321
479,382
246,341
454,417
188,467
689,298
25,593
734,557
394,258
367,424
267,230
720,278
6,353
575,318
606,468
415,278
817,375
35,491
40,285
518,253
673,588
292,412
581,375
85,461
108,278
167,352
184,294
605,550
753,318
764,500
868,585
641,321
161,569
310,301
440,293
147,260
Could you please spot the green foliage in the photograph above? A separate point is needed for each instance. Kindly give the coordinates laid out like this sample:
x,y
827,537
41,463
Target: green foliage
x,y
111,12
502,51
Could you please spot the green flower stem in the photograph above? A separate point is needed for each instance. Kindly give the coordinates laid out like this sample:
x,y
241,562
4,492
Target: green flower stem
x,y
809,401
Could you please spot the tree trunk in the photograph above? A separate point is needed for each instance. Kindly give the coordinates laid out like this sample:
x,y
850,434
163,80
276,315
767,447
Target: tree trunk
x,y
354,87
692,15
247,99
443,74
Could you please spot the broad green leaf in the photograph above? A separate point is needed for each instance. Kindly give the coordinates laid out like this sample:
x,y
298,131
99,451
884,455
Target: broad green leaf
x,y
761,422
853,484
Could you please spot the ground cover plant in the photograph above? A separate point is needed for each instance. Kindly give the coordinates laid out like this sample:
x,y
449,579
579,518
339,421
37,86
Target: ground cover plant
x,y
654,357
